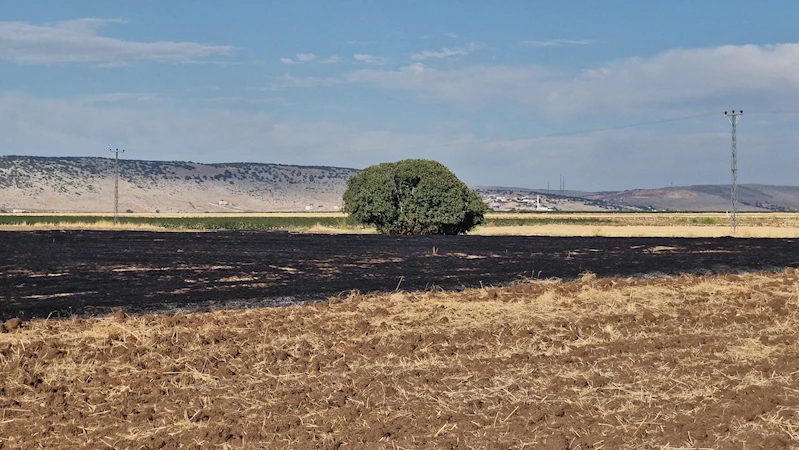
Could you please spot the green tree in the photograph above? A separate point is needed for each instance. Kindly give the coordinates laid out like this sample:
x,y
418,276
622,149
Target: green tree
x,y
413,196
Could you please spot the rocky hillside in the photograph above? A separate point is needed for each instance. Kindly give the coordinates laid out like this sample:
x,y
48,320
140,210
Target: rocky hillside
x,y
79,184
751,197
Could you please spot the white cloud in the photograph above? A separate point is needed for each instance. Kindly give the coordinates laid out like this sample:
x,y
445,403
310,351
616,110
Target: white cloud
x,y
305,57
369,59
90,24
476,84
444,52
73,127
221,133
299,58
360,42
677,80
331,60
123,97
77,41
245,100
673,83
289,81
716,77
558,43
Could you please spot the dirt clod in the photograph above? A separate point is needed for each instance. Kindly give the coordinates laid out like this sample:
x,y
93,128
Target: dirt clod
x,y
12,324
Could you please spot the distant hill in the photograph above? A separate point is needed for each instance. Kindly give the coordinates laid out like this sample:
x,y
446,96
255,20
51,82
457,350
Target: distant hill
x,y
751,197
81,184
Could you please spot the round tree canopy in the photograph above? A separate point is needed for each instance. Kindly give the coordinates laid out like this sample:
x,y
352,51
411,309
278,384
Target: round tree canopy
x,y
413,196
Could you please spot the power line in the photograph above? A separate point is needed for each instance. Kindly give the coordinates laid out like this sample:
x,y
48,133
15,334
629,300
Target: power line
x,y
786,112
619,127
588,130
566,133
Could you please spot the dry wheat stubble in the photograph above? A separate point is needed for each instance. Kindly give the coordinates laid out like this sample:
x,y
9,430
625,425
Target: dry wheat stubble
x,y
684,362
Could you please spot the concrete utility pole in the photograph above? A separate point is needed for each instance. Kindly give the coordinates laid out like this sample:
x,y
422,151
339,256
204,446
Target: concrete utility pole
x,y
116,185
733,118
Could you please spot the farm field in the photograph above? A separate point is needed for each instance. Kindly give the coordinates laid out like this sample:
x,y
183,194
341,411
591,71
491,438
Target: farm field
x,y
751,225
472,342
686,362
686,231
57,273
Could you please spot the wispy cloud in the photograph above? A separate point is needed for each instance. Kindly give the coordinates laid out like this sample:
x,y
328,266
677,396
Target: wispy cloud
x,y
558,43
676,80
115,97
305,57
472,85
360,42
331,60
245,100
289,81
74,127
369,59
78,41
299,58
445,52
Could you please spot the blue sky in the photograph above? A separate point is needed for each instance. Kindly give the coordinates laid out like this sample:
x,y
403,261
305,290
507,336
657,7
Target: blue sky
x,y
503,93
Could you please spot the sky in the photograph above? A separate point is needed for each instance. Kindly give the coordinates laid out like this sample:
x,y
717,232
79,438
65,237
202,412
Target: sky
x,y
609,94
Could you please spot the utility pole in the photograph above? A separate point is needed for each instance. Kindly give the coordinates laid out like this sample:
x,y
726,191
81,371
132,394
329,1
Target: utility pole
x,y
733,118
116,185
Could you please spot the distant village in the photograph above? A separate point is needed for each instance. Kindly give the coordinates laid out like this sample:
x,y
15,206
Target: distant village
x,y
511,200
531,202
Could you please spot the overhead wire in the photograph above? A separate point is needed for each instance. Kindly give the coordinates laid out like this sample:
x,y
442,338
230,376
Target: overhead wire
x,y
566,133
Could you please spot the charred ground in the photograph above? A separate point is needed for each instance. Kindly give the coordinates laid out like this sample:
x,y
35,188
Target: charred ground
x,y
87,272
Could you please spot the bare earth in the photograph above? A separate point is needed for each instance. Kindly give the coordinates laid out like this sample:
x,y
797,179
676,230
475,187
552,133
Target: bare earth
x,y
684,362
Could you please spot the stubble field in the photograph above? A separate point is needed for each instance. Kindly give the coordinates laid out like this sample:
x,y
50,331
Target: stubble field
x,y
461,342
684,362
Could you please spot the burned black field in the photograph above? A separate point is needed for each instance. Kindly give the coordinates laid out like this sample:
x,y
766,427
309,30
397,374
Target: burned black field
x,y
58,273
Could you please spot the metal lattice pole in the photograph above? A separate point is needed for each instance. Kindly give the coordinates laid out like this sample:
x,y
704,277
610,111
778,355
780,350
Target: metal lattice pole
x,y
733,118
116,185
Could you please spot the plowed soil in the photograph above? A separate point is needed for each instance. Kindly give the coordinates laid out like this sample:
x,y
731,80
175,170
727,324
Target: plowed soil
x,y
684,362
59,273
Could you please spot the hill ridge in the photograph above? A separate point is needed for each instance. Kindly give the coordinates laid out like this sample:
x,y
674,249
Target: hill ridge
x,y
85,184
